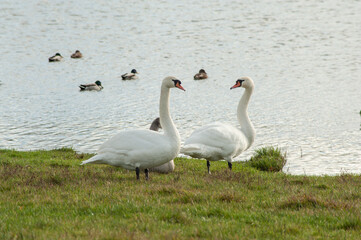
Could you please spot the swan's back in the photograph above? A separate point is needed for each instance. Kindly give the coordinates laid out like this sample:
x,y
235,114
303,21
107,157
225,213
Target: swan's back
x,y
137,148
215,142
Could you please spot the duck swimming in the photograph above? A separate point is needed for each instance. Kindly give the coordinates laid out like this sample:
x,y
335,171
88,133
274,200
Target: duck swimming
x,y
130,76
201,75
97,86
77,54
56,58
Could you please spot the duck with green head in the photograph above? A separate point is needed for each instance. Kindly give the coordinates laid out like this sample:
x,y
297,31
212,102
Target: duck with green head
x,y
56,58
130,76
97,86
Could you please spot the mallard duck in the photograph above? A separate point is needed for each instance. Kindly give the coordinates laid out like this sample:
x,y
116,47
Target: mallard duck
x,y
201,75
77,54
130,76
56,58
97,86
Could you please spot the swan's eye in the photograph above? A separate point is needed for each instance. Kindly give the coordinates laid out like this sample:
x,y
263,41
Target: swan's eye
x,y
240,81
176,81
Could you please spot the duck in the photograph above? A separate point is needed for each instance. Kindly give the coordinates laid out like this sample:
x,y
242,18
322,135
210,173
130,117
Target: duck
x,y
221,141
130,76
97,86
77,54
142,149
201,75
166,167
155,126
56,58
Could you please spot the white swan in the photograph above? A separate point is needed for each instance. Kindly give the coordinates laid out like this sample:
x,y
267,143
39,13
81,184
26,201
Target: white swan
x,y
166,167
219,141
142,149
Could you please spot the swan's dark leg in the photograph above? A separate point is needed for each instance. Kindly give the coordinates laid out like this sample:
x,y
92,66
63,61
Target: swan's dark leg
x,y
208,165
137,172
230,166
146,171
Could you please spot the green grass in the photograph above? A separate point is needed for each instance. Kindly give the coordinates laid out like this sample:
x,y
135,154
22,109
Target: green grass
x,y
268,159
48,195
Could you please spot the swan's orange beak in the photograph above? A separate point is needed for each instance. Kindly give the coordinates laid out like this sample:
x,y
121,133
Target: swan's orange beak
x,y
238,84
179,86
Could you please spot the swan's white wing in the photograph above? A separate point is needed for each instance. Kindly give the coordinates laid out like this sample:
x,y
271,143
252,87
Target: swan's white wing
x,y
214,142
138,148
135,140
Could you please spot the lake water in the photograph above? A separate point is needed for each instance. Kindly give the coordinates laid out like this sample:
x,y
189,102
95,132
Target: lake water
x,y
304,57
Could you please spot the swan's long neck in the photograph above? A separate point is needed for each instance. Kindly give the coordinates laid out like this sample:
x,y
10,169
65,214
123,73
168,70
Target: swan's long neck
x,y
242,115
165,119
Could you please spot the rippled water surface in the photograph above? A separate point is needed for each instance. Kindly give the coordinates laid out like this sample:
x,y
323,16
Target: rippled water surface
x,y
304,57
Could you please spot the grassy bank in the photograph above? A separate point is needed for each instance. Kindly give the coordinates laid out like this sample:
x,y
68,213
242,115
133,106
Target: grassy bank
x,y
47,195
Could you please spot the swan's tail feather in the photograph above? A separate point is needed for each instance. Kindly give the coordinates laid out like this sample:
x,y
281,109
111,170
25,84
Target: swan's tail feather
x,y
190,148
95,159
107,156
200,151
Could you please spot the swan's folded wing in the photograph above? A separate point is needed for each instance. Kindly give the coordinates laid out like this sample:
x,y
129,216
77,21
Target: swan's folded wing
x,y
135,140
215,135
214,140
140,147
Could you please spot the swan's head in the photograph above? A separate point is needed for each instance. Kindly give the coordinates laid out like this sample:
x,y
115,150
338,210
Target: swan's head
x,y
134,71
202,71
245,82
172,82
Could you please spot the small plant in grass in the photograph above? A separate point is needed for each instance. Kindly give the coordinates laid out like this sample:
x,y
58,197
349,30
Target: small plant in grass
x,y
268,159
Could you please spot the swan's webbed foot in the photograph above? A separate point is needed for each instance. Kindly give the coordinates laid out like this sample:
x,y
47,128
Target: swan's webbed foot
x,y
208,165
230,166
137,172
146,171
